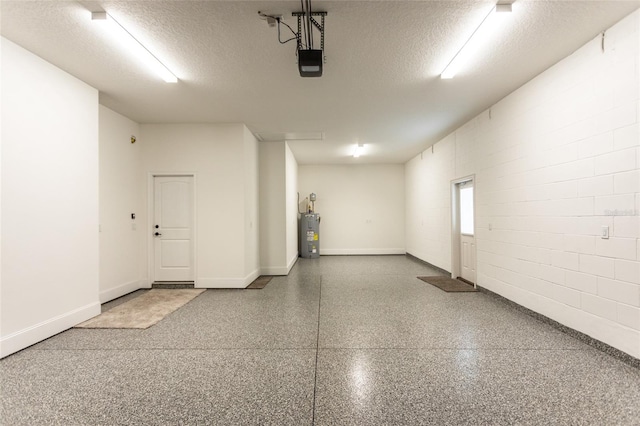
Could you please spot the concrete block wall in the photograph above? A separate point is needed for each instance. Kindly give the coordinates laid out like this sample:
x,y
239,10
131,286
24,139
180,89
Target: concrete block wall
x,y
555,162
428,203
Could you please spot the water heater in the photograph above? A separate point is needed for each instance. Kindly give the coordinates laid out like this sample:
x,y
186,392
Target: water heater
x,y
309,229
310,235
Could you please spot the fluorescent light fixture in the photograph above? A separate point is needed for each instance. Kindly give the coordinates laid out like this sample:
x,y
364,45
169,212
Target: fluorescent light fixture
x,y
136,48
480,36
358,151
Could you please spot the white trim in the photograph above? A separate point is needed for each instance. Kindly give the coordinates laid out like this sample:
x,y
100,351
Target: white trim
x,y
227,282
121,290
292,262
220,283
150,217
251,277
279,270
21,339
361,251
274,270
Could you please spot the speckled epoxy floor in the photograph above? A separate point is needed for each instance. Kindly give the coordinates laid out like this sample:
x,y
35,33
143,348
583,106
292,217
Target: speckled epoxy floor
x,y
340,341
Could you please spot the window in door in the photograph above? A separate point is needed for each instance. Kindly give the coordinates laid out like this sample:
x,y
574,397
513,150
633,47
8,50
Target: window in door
x,y
466,209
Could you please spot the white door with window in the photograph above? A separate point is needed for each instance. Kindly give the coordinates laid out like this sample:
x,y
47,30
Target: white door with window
x,y
173,228
467,234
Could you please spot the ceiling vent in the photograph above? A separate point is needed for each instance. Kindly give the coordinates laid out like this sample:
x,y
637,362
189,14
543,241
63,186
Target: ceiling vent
x,y
289,136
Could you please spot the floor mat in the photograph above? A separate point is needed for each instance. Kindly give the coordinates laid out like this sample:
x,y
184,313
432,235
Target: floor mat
x,y
143,311
259,282
448,284
173,284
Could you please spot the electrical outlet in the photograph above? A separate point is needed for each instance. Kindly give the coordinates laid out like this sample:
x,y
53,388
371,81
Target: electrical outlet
x,y
605,233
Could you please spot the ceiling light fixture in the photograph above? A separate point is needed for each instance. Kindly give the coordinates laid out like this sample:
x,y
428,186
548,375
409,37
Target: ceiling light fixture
x,y
134,46
479,35
358,151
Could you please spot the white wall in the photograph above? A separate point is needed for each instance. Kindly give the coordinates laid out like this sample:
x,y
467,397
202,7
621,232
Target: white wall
x,y
554,161
278,208
361,207
122,265
251,207
216,154
49,200
428,204
1,174
291,189
273,231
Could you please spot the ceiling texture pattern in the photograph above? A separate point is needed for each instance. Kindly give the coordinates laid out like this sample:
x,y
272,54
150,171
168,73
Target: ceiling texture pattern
x,y
381,84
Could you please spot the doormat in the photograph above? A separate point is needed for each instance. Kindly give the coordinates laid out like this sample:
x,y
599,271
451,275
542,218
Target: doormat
x,y
448,284
173,284
260,282
143,311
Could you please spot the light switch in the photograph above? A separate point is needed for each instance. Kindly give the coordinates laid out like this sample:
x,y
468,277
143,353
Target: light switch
x,y
605,233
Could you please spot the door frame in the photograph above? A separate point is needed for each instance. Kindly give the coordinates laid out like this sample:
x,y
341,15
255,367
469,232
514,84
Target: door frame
x,y
150,215
456,269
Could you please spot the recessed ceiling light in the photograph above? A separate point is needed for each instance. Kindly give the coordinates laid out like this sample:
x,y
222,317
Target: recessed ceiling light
x,y
358,151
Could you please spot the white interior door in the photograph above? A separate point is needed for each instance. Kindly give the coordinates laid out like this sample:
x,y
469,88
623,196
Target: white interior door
x,y
173,228
467,234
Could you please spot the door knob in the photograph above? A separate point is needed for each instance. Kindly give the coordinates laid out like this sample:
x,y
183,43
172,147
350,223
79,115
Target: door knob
x,y
157,234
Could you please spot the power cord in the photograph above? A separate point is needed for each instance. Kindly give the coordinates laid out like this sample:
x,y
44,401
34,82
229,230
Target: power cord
x,y
279,21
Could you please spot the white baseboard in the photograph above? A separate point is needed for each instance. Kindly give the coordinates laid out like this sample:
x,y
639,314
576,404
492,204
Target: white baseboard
x,y
292,262
360,251
121,290
274,270
220,283
279,270
251,277
19,340
227,282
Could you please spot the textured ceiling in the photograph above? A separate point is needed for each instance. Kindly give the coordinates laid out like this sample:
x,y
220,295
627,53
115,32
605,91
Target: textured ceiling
x,y
381,82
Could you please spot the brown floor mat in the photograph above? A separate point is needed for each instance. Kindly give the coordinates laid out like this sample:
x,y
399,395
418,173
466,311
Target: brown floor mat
x,y
259,282
448,284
